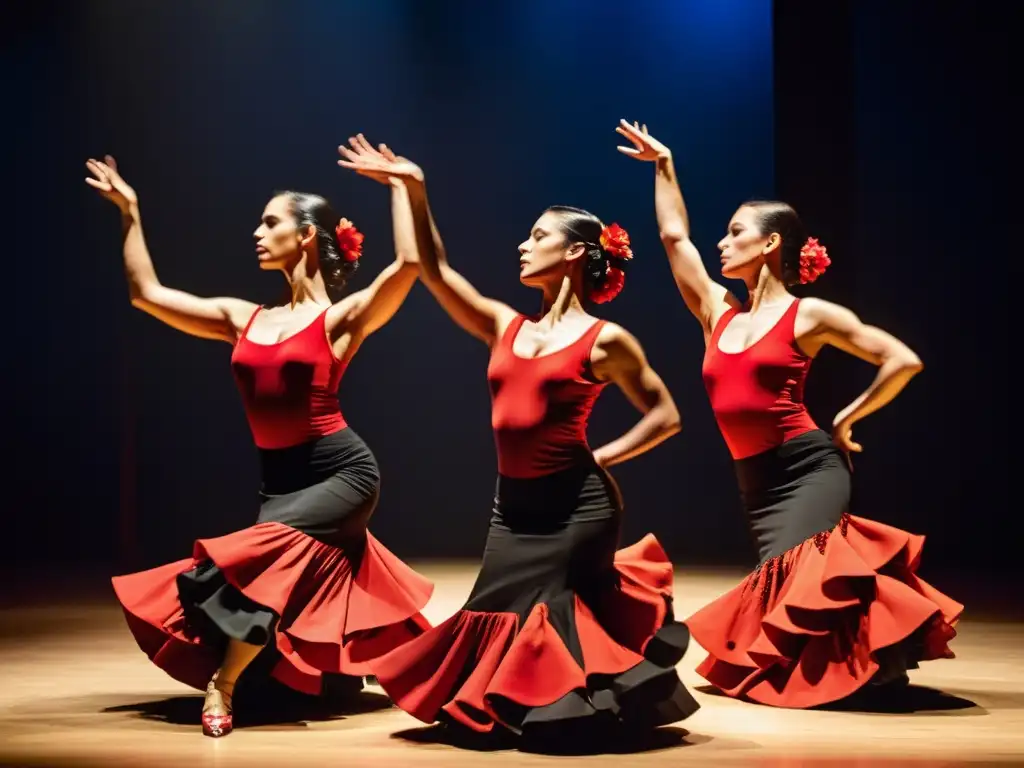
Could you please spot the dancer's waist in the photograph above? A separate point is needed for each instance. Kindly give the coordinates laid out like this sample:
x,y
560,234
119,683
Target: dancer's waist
x,y
299,466
801,454
580,492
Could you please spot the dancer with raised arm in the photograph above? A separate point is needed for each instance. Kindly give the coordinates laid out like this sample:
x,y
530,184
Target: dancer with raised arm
x,y
835,603
307,577
562,635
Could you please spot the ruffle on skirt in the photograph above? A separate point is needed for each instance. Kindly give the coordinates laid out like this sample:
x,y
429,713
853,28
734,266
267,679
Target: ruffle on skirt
x,y
325,610
480,668
816,623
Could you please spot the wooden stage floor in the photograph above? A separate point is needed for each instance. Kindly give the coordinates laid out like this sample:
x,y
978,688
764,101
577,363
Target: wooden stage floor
x,y
76,691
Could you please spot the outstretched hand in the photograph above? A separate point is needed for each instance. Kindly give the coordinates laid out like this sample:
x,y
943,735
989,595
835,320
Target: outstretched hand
x,y
108,182
380,164
645,146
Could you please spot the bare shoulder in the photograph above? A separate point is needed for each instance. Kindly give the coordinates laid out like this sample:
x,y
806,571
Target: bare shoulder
x,y
503,317
815,315
238,311
819,322
616,346
341,312
722,301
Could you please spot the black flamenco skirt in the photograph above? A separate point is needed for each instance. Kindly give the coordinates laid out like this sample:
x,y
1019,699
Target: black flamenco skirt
x,y
307,579
834,604
561,633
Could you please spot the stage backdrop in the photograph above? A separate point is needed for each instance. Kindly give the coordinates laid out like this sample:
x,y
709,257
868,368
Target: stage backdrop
x,y
128,437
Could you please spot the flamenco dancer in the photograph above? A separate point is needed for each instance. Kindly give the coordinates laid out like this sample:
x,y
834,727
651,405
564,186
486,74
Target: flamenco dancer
x,y
561,634
307,577
835,603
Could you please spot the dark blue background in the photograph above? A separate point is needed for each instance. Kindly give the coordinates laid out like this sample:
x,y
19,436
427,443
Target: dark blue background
x,y
880,121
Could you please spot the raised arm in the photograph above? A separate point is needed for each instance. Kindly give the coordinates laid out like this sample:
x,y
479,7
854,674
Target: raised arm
x,y
482,317
821,322
705,298
209,318
368,310
618,358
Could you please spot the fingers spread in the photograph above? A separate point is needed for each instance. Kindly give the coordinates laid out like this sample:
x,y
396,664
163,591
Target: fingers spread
x,y
631,129
365,145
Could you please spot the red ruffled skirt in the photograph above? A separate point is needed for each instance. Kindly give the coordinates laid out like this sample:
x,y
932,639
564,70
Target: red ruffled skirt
x,y
560,630
273,583
814,624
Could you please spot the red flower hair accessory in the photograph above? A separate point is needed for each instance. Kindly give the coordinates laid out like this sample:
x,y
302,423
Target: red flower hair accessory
x,y
814,260
350,240
615,242
614,279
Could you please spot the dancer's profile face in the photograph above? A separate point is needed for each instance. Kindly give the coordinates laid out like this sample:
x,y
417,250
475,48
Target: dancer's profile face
x,y
278,239
744,247
544,255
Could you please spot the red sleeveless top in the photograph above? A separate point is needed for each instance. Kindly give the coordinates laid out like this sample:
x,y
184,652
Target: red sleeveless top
x,y
757,395
541,405
290,388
